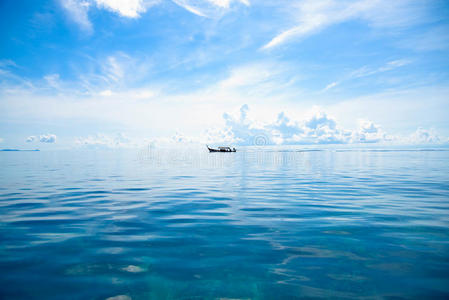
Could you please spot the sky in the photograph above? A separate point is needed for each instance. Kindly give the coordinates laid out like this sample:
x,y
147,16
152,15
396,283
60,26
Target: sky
x,y
116,73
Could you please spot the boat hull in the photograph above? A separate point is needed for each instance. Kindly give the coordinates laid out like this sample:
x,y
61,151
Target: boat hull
x,y
220,150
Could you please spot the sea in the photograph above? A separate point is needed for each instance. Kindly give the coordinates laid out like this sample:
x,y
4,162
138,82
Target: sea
x,y
262,223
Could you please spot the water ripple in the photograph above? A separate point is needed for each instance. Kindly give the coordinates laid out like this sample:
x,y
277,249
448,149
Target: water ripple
x,y
260,224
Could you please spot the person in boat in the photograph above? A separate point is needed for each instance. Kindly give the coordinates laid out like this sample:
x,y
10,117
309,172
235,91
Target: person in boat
x,y
221,149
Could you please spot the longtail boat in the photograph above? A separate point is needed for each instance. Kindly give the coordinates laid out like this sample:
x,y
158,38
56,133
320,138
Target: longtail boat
x,y
221,149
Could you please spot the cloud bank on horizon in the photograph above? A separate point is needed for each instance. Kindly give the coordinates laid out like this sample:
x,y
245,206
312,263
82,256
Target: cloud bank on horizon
x,y
239,129
116,73
319,128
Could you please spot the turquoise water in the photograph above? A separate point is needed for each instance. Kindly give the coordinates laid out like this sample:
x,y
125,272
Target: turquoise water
x,y
262,223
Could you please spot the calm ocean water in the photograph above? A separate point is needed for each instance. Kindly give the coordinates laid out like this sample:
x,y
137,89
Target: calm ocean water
x,y
262,223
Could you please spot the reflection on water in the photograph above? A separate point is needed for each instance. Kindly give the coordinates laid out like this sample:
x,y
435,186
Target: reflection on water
x,y
262,223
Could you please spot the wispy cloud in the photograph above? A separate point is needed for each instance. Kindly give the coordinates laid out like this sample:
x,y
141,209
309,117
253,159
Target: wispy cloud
x,y
312,16
78,12
436,38
4,63
208,8
193,9
366,71
120,140
113,98
9,80
331,85
250,75
259,78
52,80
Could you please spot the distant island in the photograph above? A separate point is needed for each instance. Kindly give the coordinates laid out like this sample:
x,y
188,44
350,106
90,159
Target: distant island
x,y
14,150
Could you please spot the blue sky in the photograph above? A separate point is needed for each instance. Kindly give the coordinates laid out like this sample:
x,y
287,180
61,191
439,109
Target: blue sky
x,y
114,73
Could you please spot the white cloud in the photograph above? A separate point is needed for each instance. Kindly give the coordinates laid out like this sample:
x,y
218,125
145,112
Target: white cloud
x,y
312,16
113,69
47,138
259,79
318,128
394,64
331,85
127,8
78,12
1,140
226,3
187,6
8,76
106,93
52,80
114,75
31,139
247,75
134,8
369,132
436,38
78,9
424,136
129,94
366,71
112,100
208,8
96,141
5,63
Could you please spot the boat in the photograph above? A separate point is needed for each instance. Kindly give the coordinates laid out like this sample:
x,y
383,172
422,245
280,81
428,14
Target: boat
x,y
221,149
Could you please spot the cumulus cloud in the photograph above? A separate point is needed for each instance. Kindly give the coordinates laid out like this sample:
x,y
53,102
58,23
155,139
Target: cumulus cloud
x,y
44,138
240,129
1,140
424,136
47,138
31,139
318,128
368,132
